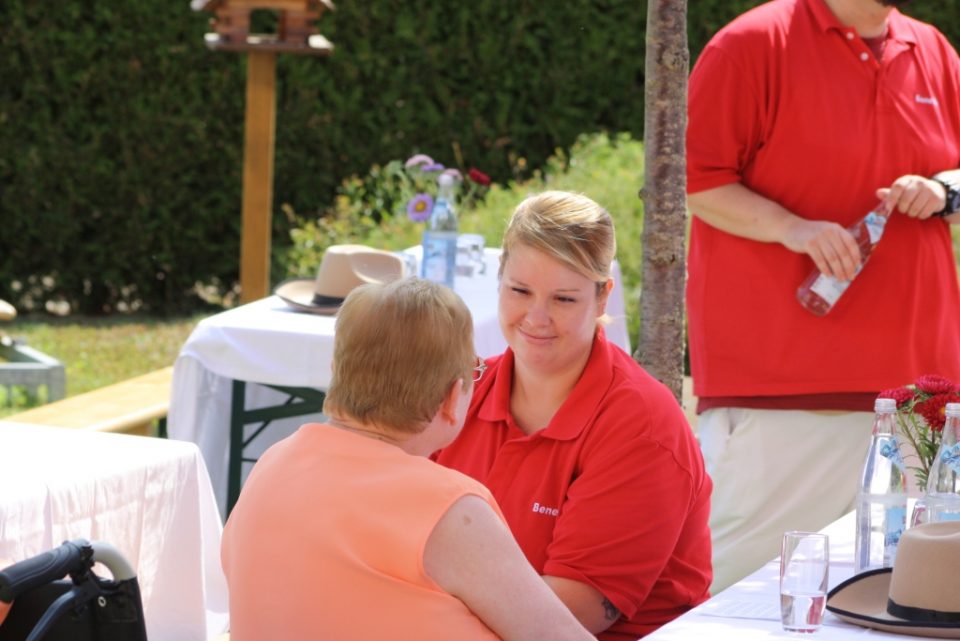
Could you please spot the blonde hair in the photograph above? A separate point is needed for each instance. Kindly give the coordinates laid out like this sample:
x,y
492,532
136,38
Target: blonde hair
x,y
397,348
569,227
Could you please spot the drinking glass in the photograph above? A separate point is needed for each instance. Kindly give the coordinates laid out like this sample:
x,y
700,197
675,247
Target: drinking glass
x,y
804,567
470,254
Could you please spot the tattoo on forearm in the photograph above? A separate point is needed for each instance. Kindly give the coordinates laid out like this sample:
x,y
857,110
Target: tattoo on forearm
x,y
610,610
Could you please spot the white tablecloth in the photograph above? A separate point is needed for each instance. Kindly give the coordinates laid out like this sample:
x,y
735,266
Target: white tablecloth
x,y
750,609
266,342
150,498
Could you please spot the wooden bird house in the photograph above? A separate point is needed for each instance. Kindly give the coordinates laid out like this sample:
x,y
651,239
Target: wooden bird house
x,y
296,29
296,32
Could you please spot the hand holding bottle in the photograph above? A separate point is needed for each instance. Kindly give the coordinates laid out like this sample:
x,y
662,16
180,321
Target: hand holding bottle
x,y
819,292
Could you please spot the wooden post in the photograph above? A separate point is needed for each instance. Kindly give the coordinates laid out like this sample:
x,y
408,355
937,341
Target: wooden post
x,y
259,131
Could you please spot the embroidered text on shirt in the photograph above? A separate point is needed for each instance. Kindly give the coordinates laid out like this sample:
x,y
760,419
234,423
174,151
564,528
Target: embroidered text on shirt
x,y
927,100
542,509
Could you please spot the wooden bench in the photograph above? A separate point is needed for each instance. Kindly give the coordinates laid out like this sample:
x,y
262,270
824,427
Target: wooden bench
x,y
130,406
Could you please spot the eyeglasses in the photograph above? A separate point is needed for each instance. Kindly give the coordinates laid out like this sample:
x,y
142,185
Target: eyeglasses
x,y
479,369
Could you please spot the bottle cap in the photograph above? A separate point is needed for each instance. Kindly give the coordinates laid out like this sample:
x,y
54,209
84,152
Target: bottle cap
x,y
885,405
953,409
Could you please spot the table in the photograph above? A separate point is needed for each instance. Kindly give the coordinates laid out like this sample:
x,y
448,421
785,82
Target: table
x,y
150,498
750,609
268,344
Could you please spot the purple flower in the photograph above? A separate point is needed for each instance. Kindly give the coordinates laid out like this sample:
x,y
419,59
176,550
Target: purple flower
x,y
418,160
419,208
455,173
432,167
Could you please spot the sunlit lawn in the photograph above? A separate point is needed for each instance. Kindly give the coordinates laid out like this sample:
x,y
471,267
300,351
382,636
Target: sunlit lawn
x,y
97,351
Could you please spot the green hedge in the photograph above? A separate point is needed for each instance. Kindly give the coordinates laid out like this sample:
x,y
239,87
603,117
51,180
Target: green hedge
x,y
121,135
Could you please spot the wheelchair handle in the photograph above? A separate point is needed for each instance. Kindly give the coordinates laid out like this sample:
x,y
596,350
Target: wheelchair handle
x,y
110,556
43,568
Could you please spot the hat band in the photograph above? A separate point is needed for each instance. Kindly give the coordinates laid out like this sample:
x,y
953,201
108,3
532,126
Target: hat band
x,y
326,300
921,615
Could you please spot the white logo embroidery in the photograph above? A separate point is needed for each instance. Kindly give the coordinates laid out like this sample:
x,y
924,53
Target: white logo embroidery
x,y
927,100
542,509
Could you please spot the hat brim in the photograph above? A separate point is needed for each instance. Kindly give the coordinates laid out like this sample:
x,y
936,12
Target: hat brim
x,y
862,600
298,293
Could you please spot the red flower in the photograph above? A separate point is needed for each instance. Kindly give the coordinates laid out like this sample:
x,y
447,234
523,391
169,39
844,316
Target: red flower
x,y
478,177
902,395
933,384
933,410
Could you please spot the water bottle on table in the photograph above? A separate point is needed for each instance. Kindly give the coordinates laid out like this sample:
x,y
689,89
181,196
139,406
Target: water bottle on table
x,y
943,484
440,238
882,496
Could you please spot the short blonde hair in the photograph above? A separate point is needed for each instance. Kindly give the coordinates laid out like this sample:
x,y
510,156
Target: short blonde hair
x,y
569,227
397,348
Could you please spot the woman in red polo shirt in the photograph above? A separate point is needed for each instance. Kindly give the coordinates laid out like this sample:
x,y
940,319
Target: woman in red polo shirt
x,y
591,460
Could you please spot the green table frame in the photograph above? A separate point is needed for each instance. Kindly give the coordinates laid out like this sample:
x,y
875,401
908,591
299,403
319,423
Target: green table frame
x,y
300,402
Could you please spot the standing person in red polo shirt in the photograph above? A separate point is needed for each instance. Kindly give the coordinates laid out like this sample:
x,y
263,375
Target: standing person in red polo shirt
x,y
591,459
804,114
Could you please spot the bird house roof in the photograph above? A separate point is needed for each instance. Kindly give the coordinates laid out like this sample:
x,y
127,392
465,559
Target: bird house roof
x,y
211,5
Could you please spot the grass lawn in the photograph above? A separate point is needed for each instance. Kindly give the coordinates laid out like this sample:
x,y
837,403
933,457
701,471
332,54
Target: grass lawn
x,y
97,351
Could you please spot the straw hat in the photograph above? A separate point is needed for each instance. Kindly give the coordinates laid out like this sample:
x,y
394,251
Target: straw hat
x,y
920,596
7,311
342,268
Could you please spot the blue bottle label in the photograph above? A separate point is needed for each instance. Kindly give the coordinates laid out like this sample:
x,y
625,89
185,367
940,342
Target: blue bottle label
x,y
894,522
439,256
950,456
875,224
891,450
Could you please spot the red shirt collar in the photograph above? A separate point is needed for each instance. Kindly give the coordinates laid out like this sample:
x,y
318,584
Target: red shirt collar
x,y
577,411
897,23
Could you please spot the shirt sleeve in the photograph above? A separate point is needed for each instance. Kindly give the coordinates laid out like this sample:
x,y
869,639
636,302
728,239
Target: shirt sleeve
x,y
724,127
629,511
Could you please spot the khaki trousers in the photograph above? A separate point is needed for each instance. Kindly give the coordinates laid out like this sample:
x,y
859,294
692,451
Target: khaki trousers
x,y
773,471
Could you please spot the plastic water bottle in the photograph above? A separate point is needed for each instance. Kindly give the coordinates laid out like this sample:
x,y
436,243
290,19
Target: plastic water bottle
x,y
818,293
440,238
943,484
882,498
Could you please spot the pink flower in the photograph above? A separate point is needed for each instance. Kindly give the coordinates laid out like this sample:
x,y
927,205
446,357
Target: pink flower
x,y
902,395
933,384
417,160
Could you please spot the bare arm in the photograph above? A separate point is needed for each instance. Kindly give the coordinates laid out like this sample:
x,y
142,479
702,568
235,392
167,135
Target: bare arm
x,y
472,555
743,212
588,604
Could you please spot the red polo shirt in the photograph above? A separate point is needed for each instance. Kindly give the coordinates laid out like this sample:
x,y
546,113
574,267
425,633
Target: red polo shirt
x,y
795,106
611,493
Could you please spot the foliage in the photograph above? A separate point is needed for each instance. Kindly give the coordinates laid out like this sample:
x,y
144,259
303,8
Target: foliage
x,y
609,169
121,134
921,416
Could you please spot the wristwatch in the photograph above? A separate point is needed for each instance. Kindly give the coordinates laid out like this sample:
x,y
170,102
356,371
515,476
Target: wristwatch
x,y
952,187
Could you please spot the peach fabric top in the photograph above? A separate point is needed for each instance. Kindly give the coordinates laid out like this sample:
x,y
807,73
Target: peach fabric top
x,y
327,538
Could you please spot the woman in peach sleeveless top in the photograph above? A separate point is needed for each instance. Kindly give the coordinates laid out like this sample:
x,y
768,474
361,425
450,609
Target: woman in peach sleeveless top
x,y
346,530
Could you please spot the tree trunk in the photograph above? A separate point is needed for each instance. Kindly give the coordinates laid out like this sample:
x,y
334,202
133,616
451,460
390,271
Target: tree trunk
x,y
660,348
